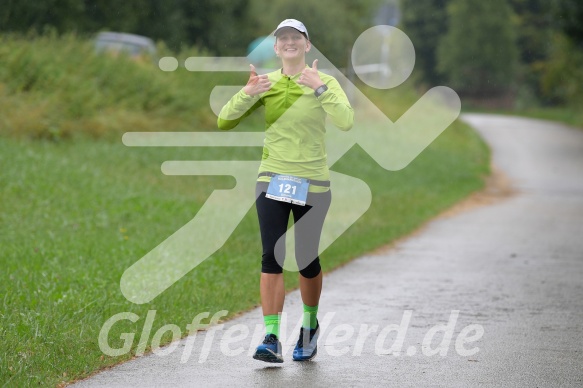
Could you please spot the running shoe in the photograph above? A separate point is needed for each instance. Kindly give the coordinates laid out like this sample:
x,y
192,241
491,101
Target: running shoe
x,y
269,350
307,345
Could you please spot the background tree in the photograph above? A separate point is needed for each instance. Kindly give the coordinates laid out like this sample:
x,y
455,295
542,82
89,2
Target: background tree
x,y
533,22
569,18
478,55
562,74
425,22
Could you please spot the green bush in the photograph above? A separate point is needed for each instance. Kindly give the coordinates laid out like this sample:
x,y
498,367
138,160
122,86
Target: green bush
x,y
56,87
562,74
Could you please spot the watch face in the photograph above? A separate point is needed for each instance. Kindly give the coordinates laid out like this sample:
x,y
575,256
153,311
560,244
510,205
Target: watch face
x,y
321,90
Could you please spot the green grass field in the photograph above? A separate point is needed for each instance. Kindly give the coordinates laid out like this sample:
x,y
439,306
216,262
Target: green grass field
x,y
77,210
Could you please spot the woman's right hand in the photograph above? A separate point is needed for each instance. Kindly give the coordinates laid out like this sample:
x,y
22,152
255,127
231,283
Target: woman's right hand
x,y
257,84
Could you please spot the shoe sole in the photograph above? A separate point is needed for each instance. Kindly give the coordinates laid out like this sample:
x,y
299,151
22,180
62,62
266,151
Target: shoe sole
x,y
268,356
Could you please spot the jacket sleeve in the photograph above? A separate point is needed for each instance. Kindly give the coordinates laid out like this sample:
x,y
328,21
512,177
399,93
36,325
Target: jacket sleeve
x,y
239,106
336,105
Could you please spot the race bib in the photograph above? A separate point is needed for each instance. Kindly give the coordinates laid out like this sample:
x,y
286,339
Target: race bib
x,y
288,188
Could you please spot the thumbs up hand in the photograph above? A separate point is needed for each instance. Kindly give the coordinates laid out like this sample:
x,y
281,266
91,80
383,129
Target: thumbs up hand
x,y
310,77
256,84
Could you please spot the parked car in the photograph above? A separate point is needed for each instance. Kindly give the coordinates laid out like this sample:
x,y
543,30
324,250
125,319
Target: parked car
x,y
136,46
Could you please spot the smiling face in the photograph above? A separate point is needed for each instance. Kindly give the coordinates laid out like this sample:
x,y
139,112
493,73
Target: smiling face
x,y
291,45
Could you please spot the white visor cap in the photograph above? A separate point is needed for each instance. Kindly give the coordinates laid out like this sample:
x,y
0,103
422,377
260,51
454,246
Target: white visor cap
x,y
293,23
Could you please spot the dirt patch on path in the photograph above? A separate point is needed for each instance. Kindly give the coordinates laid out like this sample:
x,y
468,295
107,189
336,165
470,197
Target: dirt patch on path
x,y
498,187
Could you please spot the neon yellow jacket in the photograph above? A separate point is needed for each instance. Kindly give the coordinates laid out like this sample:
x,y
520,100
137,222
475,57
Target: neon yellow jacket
x,y
294,124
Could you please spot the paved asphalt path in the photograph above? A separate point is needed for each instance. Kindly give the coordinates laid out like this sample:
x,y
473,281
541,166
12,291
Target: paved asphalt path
x,y
510,269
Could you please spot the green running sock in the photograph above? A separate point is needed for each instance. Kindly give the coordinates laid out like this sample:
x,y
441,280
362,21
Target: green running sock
x,y
272,324
310,314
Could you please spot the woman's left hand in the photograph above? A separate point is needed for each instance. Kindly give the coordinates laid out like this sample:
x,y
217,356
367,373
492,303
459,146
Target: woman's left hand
x,y
310,77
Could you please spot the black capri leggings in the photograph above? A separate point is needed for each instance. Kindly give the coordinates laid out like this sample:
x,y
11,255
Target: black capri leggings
x,y
273,222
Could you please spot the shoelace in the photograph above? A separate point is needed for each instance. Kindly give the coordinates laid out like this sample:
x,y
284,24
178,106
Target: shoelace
x,y
270,339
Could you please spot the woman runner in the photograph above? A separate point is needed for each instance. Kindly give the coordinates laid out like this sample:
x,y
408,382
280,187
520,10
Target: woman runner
x,y
293,176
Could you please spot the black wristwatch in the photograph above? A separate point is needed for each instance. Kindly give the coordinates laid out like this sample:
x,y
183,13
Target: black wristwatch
x,y
320,90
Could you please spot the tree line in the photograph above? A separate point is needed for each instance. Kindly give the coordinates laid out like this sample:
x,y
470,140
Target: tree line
x,y
530,50
220,27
